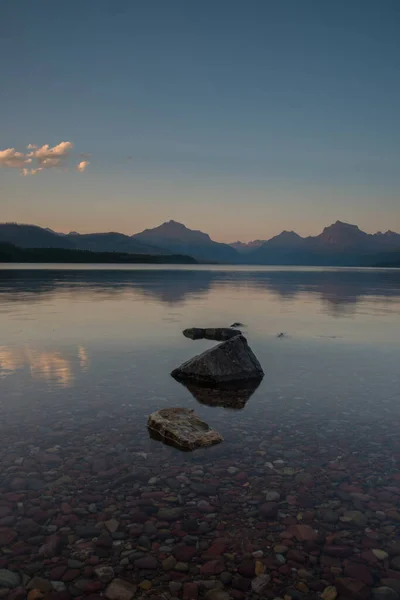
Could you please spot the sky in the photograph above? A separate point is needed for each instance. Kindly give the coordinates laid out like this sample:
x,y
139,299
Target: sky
x,y
239,118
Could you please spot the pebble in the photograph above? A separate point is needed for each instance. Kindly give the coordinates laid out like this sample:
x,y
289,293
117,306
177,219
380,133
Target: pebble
x,y
120,589
380,554
384,593
9,579
259,584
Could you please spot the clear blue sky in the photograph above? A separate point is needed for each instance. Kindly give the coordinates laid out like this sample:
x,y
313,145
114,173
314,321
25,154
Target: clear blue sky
x,y
237,117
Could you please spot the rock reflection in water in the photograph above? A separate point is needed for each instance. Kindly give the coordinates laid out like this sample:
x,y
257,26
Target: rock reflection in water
x,y
226,397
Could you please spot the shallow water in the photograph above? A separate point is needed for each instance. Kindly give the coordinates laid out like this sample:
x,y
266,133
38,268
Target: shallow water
x,y
85,356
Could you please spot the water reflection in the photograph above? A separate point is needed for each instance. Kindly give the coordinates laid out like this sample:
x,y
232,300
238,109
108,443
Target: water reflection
x,y
50,366
338,289
224,397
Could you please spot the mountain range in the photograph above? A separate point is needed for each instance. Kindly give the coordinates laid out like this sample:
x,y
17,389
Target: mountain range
x,y
340,244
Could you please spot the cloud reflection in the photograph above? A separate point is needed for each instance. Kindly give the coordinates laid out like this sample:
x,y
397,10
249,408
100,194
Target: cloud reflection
x,y
49,366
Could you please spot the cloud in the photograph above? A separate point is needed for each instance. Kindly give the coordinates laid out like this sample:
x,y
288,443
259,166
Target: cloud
x,y
51,157
12,159
25,172
82,166
40,158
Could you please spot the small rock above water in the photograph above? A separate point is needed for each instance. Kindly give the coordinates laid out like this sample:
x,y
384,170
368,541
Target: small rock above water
x,y
219,334
181,427
226,363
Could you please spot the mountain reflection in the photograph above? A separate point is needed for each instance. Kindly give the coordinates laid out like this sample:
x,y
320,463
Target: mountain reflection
x,y
49,366
339,290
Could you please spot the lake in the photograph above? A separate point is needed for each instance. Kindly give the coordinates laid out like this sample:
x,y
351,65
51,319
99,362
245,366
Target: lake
x,y
302,494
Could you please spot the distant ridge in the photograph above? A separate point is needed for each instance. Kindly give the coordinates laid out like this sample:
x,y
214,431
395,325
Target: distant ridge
x,y
339,244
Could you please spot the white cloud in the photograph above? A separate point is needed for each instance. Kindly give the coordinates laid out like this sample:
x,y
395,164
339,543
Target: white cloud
x,y
12,159
51,157
40,157
82,166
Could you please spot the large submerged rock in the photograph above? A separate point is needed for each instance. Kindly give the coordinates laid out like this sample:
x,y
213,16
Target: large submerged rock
x,y
229,362
219,334
181,427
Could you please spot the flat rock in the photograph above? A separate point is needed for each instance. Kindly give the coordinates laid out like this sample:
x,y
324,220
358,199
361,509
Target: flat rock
x,y
182,428
230,362
219,334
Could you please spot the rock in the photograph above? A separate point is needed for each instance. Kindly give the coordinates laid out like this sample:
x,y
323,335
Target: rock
x,y
304,533
112,525
9,579
391,583
380,554
229,362
168,563
384,593
219,334
170,514
213,567
190,591
329,593
217,595
51,546
351,588
119,589
37,583
269,509
260,583
355,517
247,568
7,536
35,595
104,573
359,571
184,553
272,496
147,562
87,531
339,551
181,427
395,563
226,577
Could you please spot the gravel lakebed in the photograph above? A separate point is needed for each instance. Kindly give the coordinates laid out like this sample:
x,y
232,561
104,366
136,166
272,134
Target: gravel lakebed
x,y
91,507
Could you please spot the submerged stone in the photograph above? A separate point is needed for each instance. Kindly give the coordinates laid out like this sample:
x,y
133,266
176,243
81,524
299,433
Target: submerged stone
x,y
181,427
229,362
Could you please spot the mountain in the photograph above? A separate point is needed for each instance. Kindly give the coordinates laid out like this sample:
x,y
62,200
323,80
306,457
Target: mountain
x,y
112,242
340,244
31,236
179,239
245,247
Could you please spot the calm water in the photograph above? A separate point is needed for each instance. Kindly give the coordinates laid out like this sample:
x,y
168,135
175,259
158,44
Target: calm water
x,y
85,356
